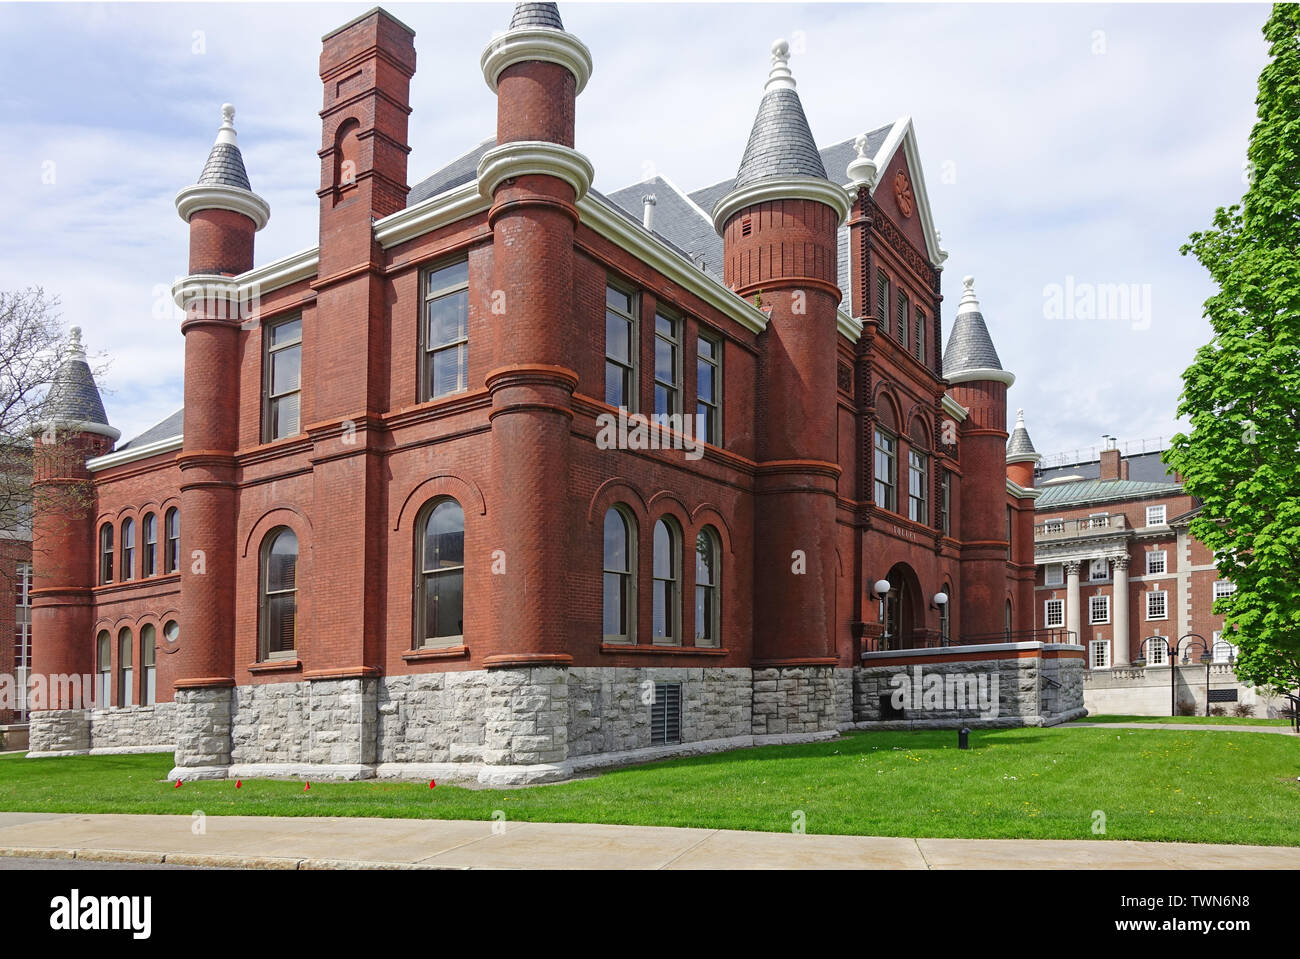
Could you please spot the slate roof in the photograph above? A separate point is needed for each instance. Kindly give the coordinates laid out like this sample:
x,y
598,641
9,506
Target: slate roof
x,y
780,142
462,170
1020,444
73,395
969,346
169,428
1100,491
536,15
225,167
1147,467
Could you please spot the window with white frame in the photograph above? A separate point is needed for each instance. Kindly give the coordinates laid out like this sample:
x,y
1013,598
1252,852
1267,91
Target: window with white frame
x,y
444,368
1157,647
1098,609
1098,520
1054,613
282,379
1223,651
1099,571
1156,515
1054,574
1156,562
1054,526
620,348
1223,587
1157,604
1100,657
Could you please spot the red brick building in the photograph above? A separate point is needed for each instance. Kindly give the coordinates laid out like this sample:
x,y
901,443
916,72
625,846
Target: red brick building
x,y
507,474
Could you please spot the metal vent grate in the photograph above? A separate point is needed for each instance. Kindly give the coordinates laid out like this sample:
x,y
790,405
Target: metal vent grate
x,y
666,714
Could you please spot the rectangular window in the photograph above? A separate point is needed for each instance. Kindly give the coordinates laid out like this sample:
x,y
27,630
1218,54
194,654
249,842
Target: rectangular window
x,y
1054,613
1100,654
1156,648
1157,604
22,635
620,348
1098,609
283,379
882,300
1054,574
445,331
708,387
149,558
918,334
945,502
1099,571
668,392
149,688
1155,515
1054,526
900,319
918,476
666,714
1156,562
1098,520
885,474
125,672
103,671
1223,587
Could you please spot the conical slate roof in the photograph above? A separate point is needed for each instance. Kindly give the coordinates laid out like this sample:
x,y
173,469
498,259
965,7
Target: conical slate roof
x,y
1020,446
780,142
225,166
969,345
73,397
536,15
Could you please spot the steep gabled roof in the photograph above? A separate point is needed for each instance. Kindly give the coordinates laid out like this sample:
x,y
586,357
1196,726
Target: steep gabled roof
x,y
536,15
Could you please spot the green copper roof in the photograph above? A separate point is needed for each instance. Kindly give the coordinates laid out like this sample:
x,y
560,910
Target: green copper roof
x,y
1100,491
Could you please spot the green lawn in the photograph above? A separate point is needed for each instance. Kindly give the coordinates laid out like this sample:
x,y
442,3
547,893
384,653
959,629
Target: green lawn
x,y
1194,720
1031,783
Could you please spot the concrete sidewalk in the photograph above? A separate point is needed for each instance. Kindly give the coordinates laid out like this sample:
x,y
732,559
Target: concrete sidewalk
x,y
257,842
1220,728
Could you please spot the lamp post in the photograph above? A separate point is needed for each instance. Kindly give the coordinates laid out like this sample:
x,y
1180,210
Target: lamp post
x,y
1173,650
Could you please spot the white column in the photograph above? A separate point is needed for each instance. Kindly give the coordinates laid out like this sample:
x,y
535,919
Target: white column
x,y
1072,600
1119,648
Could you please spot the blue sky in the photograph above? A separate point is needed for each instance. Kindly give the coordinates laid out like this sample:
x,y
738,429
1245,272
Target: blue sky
x,y
1063,145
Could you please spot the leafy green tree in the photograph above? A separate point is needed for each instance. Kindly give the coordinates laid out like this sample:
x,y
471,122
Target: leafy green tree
x,y
1242,393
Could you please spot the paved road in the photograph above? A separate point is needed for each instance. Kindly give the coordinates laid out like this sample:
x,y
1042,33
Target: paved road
x,y
266,842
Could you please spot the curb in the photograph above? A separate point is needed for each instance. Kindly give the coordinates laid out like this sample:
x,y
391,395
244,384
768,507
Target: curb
x,y
210,861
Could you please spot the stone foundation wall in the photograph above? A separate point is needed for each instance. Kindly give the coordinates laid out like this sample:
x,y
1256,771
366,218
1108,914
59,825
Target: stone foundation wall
x,y
794,700
332,722
966,690
843,697
609,711
133,727
526,717
203,726
58,731
432,718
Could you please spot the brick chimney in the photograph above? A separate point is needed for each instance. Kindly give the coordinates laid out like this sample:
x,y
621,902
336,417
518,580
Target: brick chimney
x,y
1110,464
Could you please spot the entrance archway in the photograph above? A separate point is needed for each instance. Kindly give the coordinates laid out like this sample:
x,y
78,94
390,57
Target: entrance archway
x,y
903,610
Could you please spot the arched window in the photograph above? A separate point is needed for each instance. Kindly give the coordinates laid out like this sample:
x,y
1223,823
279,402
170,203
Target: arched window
x,y
128,549
172,550
619,583
885,456
149,681
707,588
103,670
918,474
106,553
149,557
125,672
440,588
666,619
279,597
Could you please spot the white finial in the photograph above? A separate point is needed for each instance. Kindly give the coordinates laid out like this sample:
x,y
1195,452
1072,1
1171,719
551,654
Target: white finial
x,y
227,132
780,77
968,304
862,169
1020,419
75,350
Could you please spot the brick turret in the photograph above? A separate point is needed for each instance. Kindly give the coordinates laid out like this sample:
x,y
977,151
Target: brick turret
x,y
223,214
778,225
74,429
979,383
535,180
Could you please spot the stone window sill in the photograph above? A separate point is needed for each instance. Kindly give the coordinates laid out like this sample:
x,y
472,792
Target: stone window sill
x,y
669,650
435,653
276,666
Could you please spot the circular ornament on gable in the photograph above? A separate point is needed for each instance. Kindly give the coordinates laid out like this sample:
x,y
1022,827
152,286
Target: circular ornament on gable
x,y
903,193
